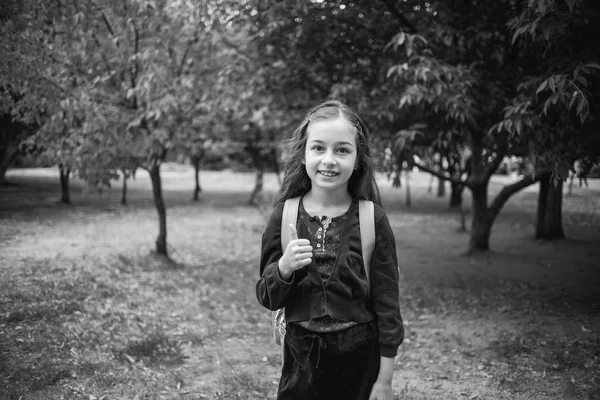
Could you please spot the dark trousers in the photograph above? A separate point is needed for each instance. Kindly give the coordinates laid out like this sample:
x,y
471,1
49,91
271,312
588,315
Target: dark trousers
x,y
329,366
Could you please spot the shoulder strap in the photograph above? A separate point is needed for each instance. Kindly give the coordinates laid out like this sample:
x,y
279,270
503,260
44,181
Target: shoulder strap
x,y
289,216
366,214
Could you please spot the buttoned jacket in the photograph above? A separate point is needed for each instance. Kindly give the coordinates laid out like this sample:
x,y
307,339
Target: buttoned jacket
x,y
348,294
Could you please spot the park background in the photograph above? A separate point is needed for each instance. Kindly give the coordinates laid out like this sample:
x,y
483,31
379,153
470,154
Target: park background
x,y
141,145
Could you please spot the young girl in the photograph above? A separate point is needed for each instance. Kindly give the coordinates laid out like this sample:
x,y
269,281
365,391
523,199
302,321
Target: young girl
x,y
343,328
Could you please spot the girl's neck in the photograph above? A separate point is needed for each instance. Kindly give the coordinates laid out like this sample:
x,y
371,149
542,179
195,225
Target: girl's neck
x,y
317,202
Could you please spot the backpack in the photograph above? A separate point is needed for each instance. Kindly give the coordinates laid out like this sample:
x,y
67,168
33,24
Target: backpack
x,y
366,214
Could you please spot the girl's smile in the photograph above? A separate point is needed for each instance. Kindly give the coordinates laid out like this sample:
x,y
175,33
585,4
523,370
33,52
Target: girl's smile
x,y
329,173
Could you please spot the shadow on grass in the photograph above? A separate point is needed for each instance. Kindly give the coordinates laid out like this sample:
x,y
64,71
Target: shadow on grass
x,y
157,348
19,379
32,313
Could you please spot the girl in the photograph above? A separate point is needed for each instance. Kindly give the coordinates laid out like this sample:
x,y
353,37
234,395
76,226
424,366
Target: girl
x,y
343,328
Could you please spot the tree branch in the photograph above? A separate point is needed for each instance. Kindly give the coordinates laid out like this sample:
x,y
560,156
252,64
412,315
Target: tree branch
x,y
508,190
108,26
235,47
193,40
135,69
493,166
441,175
56,85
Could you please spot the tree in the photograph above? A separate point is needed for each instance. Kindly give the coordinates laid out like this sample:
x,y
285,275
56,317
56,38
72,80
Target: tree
x,y
559,93
12,133
60,140
472,69
28,88
131,77
447,75
156,45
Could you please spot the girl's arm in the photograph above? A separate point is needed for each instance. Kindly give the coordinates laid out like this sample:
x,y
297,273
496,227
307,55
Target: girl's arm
x,y
384,287
382,389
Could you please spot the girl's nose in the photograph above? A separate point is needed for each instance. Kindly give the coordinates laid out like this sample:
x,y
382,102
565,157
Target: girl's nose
x,y
328,158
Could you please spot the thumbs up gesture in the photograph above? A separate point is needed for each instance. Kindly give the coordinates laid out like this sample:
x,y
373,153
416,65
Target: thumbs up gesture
x,y
297,255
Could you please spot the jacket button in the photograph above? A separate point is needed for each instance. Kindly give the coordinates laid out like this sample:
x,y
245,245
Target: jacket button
x,y
323,299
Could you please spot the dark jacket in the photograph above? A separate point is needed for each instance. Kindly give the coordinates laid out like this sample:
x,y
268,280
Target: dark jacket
x,y
347,295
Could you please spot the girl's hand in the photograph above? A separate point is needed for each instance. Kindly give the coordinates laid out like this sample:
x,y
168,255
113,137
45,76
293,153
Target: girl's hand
x,y
381,391
297,255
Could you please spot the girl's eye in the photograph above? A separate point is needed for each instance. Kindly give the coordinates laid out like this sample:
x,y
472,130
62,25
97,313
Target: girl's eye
x,y
343,150
317,147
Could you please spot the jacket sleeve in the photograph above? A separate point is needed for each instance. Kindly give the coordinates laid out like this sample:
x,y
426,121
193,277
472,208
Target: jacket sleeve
x,y
271,290
384,286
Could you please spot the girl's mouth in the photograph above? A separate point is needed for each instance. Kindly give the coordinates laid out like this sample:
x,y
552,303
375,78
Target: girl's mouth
x,y
328,173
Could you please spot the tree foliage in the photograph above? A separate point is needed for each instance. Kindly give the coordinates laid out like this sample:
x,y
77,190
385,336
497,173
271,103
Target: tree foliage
x,y
106,87
135,82
473,76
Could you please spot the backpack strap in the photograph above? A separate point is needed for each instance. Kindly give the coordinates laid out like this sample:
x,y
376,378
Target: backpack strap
x,y
366,214
289,216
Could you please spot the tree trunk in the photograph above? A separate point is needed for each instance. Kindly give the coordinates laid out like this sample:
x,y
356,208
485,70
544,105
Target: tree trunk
x,y
456,191
258,187
64,184
276,166
430,185
11,136
260,172
197,189
6,158
161,240
441,190
124,190
481,226
571,179
549,210
407,178
3,169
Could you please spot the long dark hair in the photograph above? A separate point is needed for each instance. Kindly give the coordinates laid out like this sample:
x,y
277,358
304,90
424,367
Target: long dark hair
x,y
296,182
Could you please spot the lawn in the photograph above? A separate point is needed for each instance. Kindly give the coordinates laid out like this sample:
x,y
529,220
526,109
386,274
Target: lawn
x,y
88,312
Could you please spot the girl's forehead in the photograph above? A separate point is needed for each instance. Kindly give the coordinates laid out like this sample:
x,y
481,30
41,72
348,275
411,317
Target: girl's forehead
x,y
338,130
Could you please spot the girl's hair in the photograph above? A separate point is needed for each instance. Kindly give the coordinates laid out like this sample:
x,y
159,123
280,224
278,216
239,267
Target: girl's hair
x,y
296,181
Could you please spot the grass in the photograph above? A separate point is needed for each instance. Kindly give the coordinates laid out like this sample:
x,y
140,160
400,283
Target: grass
x,y
87,311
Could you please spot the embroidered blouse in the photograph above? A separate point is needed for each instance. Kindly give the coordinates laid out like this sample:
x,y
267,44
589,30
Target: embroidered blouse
x,y
325,237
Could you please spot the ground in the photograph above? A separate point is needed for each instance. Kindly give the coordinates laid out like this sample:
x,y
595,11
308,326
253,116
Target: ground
x,y
88,312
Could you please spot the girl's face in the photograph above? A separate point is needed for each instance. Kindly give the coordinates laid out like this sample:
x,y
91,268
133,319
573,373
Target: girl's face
x,y
330,154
